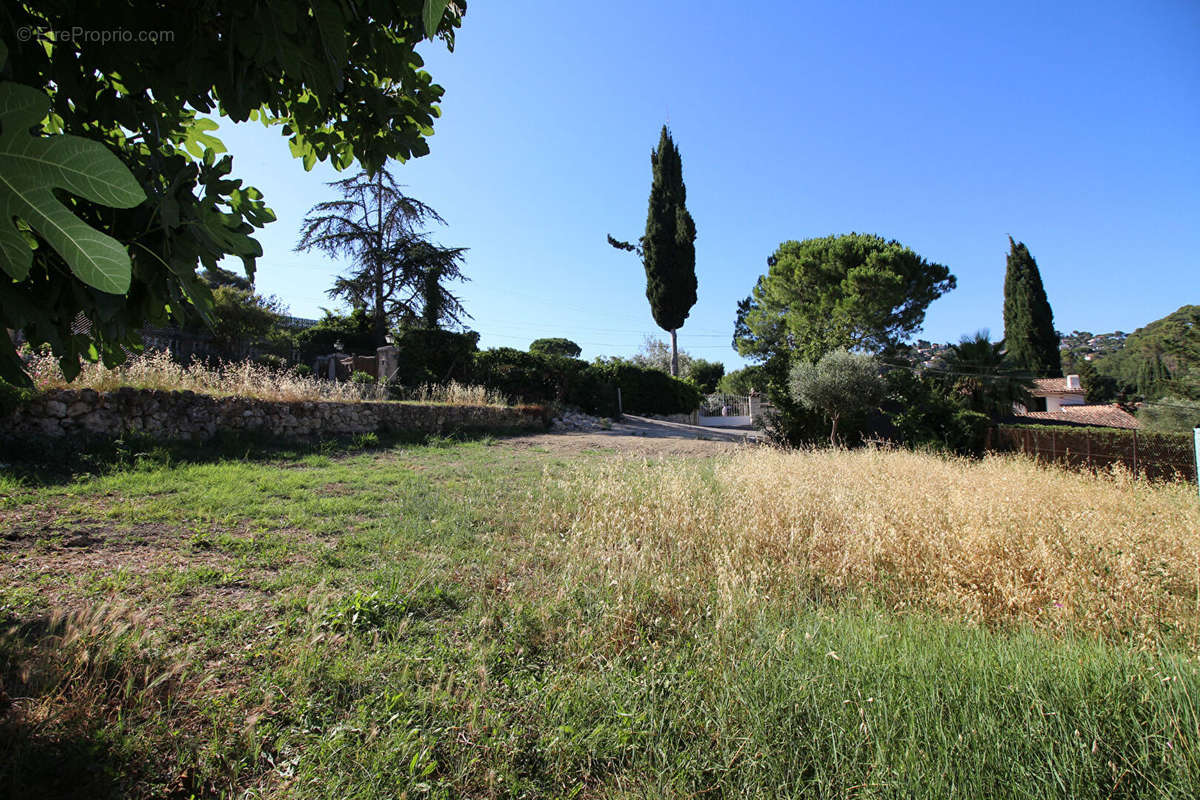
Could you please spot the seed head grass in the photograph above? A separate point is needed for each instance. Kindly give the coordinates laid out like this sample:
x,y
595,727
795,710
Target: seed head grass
x,y
158,370
996,542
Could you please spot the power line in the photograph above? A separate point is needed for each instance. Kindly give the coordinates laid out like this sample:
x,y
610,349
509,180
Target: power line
x,y
1013,378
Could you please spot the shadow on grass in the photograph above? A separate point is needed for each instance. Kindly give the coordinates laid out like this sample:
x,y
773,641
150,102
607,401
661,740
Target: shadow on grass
x,y
39,756
47,462
55,767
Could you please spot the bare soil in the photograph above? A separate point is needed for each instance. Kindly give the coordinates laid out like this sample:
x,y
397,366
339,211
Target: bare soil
x,y
643,436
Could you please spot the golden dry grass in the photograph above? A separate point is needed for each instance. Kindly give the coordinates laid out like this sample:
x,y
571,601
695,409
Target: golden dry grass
x,y
997,541
157,370
458,394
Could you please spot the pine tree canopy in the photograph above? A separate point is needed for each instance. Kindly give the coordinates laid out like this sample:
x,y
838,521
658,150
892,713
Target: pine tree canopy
x,y
1030,340
668,247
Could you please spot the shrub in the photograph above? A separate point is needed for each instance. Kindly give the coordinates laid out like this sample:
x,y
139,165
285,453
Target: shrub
x,y
360,377
353,331
435,356
648,391
12,397
925,416
525,376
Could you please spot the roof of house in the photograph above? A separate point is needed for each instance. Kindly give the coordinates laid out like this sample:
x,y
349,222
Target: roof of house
x,y
1103,416
1044,386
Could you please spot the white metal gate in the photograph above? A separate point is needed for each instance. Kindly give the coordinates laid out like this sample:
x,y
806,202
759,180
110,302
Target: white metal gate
x,y
725,411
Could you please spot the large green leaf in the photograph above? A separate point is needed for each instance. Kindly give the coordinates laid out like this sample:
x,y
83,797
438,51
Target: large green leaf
x,y
32,167
433,11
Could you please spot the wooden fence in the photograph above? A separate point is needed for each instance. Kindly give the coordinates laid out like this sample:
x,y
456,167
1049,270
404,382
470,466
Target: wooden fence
x,y
1159,456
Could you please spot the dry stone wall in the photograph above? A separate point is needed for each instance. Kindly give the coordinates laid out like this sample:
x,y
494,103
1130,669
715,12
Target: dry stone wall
x,y
85,413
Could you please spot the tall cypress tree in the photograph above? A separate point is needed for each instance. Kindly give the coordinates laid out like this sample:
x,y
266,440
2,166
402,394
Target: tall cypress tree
x,y
668,248
1029,337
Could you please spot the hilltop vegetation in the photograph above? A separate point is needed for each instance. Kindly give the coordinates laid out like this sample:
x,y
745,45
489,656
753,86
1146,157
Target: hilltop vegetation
x,y
1159,360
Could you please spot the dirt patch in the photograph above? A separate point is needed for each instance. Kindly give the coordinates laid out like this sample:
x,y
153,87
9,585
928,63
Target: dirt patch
x,y
630,445
640,436
48,556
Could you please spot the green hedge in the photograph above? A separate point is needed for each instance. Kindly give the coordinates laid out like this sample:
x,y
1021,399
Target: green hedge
x,y
540,378
531,377
435,356
649,391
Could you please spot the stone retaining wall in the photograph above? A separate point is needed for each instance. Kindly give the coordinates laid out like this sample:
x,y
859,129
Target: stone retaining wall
x,y
85,413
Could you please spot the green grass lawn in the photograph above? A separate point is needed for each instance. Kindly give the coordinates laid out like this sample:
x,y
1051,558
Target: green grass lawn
x,y
390,622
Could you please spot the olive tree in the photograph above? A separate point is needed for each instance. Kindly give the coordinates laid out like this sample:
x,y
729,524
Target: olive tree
x,y
840,384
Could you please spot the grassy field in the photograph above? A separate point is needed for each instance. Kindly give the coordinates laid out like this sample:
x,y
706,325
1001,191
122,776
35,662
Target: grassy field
x,y
484,619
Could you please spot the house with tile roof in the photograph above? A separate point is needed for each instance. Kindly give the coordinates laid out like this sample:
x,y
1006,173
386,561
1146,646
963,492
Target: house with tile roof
x,y
1062,401
1052,394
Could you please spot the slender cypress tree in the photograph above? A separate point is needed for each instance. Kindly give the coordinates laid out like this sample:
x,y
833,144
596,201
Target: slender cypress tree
x,y
668,248
1029,336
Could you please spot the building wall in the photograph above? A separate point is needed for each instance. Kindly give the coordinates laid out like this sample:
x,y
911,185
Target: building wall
x,y
1055,402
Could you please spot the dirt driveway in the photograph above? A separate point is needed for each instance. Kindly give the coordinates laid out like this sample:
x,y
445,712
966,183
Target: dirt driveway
x,y
643,436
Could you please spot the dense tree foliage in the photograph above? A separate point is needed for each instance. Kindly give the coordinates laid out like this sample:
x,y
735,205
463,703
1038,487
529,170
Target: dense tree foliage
x,y
342,82
705,374
743,381
1162,358
840,384
243,318
668,247
556,346
351,331
1030,340
981,376
657,354
855,291
398,272
923,413
1170,414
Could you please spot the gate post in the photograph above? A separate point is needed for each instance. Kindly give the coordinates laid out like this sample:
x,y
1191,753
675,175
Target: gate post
x,y
1197,446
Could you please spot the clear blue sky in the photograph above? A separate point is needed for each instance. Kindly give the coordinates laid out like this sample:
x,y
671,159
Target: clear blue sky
x,y
948,126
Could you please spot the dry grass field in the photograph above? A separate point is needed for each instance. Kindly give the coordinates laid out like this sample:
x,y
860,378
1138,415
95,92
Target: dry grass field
x,y
996,542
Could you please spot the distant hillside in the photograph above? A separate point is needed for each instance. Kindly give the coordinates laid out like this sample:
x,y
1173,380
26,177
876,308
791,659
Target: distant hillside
x,y
1088,346
1158,360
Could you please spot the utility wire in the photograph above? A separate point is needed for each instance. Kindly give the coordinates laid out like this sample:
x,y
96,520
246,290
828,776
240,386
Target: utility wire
x,y
1013,378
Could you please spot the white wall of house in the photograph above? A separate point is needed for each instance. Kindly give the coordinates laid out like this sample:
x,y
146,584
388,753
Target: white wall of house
x,y
1055,402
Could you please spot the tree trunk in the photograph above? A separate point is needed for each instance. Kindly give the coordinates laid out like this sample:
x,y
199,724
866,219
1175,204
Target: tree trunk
x,y
380,320
674,356
833,432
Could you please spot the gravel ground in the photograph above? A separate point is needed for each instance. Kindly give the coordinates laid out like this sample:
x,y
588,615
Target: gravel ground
x,y
642,436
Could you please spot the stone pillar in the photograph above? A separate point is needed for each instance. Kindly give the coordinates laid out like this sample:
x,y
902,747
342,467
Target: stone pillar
x,y
755,406
387,361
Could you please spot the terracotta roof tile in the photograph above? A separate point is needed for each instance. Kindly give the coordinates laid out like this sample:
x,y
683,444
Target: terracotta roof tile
x,y
1053,385
1104,416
